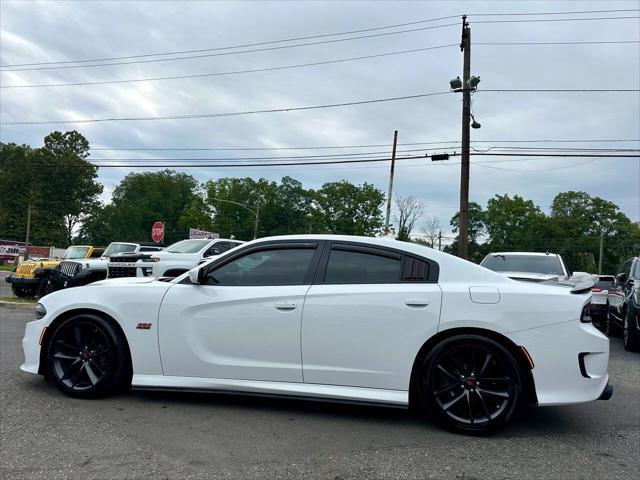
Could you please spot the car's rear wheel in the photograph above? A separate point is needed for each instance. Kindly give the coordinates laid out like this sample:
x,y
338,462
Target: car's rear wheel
x,y
470,383
630,334
22,292
87,357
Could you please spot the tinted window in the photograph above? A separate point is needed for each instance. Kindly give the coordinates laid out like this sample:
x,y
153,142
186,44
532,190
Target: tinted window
x,y
216,249
346,266
605,283
524,263
267,267
97,252
149,249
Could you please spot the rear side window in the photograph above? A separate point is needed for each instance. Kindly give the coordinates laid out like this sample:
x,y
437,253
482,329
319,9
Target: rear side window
x,y
348,267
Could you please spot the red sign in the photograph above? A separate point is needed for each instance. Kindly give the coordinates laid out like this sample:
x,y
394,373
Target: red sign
x,y
157,232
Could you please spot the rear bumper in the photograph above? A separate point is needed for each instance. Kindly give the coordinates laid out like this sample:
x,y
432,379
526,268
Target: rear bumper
x,y
571,361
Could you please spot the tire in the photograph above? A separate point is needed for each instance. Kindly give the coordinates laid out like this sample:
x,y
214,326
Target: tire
x,y
18,291
630,334
611,329
87,357
45,287
470,384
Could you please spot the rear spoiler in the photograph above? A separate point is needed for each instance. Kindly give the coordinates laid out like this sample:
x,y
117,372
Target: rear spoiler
x,y
583,287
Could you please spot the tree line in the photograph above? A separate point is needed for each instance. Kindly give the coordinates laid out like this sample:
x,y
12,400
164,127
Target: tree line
x,y
60,185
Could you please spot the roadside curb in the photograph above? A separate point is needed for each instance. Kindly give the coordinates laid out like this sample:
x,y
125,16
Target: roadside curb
x,y
17,305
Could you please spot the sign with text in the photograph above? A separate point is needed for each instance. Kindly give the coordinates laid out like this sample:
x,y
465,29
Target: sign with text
x,y
157,232
195,233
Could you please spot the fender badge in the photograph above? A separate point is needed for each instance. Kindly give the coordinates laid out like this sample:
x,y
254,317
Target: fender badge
x,y
144,326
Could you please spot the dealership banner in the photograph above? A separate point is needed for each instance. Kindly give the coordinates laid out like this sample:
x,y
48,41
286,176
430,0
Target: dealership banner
x,y
195,233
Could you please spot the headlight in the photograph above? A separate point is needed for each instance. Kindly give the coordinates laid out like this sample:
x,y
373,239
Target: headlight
x,y
40,311
155,259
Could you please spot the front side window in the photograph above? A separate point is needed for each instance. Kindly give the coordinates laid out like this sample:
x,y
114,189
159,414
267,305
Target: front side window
x,y
349,267
216,249
286,266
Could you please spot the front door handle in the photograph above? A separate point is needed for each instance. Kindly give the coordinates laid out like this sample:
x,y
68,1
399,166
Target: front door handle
x,y
286,306
417,302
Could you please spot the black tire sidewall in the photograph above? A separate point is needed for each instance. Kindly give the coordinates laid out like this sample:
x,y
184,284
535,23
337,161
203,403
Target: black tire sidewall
x,y
117,376
431,407
632,343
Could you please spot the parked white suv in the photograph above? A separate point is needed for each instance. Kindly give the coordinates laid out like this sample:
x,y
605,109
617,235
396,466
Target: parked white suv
x,y
527,266
171,262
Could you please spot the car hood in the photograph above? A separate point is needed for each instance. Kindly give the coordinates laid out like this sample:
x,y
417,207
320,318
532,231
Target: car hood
x,y
125,281
171,255
531,276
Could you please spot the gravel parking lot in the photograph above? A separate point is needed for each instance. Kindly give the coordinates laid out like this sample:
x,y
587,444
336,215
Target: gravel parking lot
x,y
160,435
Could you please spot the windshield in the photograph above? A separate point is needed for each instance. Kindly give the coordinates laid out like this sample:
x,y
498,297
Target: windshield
x,y
114,248
187,246
547,264
73,253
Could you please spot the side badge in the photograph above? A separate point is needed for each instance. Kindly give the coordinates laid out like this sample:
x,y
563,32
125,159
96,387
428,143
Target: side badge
x,y
144,326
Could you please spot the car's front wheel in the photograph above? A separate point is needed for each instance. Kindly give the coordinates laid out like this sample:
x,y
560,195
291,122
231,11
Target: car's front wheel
x,y
45,287
87,357
471,384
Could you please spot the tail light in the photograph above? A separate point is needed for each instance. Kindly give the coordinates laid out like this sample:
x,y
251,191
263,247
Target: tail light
x,y
586,314
596,289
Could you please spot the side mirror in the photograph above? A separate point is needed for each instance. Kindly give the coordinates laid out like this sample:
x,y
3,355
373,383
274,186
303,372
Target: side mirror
x,y
194,276
621,277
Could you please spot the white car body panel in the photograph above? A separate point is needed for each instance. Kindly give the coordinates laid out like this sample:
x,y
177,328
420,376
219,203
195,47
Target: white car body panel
x,y
247,333
349,342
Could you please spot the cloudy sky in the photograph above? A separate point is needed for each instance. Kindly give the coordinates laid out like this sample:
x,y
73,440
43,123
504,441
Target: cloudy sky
x,y
38,32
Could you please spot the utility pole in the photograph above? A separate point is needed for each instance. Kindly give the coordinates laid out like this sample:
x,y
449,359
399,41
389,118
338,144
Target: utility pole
x,y
255,228
440,240
26,249
463,227
390,189
600,256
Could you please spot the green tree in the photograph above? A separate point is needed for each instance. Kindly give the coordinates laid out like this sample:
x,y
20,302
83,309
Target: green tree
x,y
348,209
56,180
144,198
513,223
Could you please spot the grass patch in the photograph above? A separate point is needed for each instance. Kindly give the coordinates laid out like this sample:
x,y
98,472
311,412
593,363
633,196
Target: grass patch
x,y
7,268
12,299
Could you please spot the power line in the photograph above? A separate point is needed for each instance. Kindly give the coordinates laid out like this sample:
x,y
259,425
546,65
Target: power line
x,y
236,72
309,64
199,50
322,42
327,147
313,107
349,32
538,20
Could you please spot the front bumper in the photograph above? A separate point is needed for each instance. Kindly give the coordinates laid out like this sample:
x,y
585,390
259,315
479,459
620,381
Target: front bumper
x,y
571,361
31,346
27,282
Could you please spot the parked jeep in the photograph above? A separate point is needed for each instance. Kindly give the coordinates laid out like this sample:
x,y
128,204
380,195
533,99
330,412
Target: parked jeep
x,y
74,273
31,277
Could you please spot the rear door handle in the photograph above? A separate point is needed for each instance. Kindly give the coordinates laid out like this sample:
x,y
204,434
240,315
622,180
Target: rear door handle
x,y
417,302
286,306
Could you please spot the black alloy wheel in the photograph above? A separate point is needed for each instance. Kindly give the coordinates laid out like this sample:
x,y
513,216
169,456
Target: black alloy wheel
x,y
86,358
471,383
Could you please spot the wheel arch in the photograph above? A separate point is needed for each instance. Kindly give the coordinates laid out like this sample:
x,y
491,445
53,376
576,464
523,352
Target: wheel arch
x,y
528,386
42,370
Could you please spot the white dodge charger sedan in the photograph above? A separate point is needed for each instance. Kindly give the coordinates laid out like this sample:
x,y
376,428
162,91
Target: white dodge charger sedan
x,y
335,318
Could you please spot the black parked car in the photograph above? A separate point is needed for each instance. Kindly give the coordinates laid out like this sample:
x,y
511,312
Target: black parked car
x,y
623,313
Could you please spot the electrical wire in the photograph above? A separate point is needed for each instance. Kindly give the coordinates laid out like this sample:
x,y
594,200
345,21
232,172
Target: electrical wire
x,y
313,107
236,72
154,60
538,20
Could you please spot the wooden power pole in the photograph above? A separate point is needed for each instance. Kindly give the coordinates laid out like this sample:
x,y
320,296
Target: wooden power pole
x,y
390,189
463,227
257,224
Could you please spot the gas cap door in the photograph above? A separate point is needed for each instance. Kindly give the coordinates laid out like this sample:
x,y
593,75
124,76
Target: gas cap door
x,y
484,294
